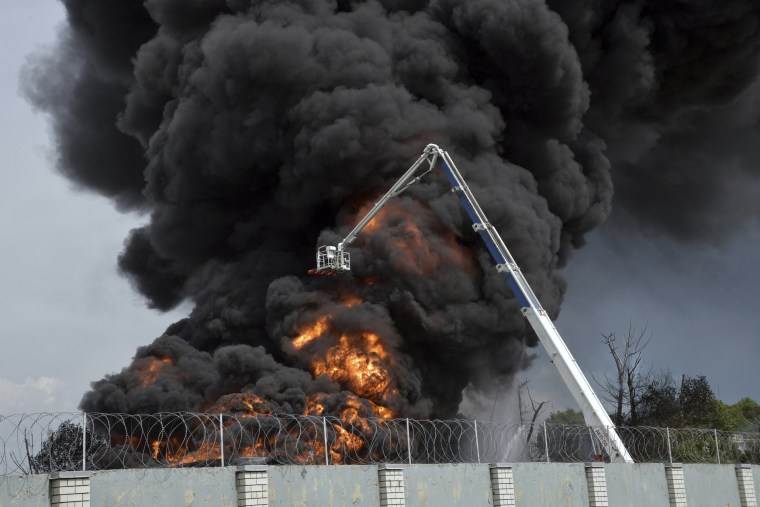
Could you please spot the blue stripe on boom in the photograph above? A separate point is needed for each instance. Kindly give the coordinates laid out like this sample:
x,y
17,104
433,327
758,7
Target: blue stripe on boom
x,y
468,208
516,290
454,183
447,171
492,248
486,238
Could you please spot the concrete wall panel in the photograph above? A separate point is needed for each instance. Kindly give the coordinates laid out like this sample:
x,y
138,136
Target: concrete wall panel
x,y
536,484
323,486
636,485
167,487
447,485
711,485
756,479
27,491
552,484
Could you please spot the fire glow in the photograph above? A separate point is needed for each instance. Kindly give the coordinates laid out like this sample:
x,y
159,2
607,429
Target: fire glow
x,y
356,362
311,333
408,249
359,363
151,370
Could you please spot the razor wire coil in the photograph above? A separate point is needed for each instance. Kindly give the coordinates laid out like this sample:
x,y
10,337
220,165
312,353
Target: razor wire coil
x,y
51,442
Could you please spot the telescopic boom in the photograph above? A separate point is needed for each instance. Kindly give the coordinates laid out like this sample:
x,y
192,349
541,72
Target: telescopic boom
x,y
334,259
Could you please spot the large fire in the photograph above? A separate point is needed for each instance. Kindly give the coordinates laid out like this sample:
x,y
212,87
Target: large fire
x,y
356,362
360,362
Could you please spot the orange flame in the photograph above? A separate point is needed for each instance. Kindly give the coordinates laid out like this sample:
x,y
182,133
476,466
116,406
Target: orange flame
x,y
376,221
262,447
415,253
413,249
246,403
208,451
149,372
359,362
311,333
356,362
177,454
351,301
345,443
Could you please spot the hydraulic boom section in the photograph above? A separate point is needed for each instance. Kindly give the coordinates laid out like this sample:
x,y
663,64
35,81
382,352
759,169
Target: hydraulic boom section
x,y
334,259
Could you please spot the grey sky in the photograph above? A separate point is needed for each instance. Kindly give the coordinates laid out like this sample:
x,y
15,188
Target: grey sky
x,y
699,305
69,318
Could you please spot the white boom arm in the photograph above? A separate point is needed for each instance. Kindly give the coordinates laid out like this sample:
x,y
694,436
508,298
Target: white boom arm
x,y
332,259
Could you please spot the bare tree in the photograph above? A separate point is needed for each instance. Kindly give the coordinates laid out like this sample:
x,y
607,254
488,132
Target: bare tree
x,y
535,407
25,465
623,390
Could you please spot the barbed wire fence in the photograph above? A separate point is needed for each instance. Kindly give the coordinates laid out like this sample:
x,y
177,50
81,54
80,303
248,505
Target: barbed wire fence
x,y
49,442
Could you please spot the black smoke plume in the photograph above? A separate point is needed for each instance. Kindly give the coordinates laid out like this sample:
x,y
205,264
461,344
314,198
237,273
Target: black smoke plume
x,y
248,130
676,96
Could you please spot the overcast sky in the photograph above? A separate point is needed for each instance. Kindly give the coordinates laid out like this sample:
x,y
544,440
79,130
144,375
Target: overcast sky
x,y
69,318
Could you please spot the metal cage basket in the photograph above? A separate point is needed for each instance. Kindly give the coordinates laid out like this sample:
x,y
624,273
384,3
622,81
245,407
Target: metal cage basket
x,y
329,258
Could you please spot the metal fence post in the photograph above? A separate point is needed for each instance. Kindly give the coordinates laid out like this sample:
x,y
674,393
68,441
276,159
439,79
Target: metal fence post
x,y
170,449
408,442
84,441
591,439
610,448
717,447
221,438
324,430
670,454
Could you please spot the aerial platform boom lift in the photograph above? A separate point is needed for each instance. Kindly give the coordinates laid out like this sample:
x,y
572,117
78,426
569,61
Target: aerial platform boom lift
x,y
335,259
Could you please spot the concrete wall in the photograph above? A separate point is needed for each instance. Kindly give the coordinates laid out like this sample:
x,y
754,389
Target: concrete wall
x,y
165,487
535,484
711,485
447,485
756,477
327,486
556,484
27,491
636,485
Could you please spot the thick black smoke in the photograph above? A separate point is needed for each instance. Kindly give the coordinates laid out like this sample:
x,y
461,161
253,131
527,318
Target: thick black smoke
x,y
676,96
249,129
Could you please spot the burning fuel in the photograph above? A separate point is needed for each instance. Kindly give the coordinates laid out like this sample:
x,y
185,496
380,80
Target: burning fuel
x,y
150,368
249,132
311,333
